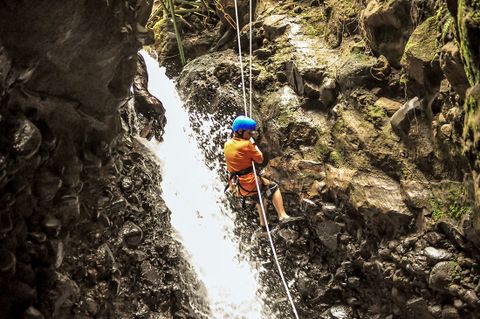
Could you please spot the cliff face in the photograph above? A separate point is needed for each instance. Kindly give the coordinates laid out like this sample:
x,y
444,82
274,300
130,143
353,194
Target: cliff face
x,y
78,233
66,70
365,109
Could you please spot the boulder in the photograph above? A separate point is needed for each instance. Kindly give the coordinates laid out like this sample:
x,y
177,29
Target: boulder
x,y
328,92
327,232
441,276
374,192
387,26
420,56
357,70
452,66
390,106
435,255
417,192
275,26
25,139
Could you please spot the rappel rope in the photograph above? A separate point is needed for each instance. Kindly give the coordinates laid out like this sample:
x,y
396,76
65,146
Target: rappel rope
x,y
241,61
253,163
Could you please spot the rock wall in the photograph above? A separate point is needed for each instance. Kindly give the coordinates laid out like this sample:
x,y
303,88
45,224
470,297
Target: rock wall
x,y
467,21
83,232
363,128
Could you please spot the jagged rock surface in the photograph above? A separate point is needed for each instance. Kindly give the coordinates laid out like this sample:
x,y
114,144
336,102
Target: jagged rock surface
x,y
386,198
82,232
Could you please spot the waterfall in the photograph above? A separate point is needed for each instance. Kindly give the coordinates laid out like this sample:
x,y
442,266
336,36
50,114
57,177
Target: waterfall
x,y
200,215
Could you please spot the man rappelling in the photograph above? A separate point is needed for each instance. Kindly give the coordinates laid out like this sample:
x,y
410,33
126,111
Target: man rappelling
x,y
239,152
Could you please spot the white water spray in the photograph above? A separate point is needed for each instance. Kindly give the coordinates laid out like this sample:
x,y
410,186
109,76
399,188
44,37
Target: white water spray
x,y
201,217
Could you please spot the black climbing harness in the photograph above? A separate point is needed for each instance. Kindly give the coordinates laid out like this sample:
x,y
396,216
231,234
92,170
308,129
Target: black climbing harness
x,y
235,183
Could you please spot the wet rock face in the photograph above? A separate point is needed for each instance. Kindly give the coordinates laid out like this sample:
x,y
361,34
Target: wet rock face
x,y
61,87
368,154
147,116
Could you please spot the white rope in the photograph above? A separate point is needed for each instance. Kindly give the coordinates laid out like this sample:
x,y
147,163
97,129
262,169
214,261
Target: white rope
x,y
241,61
253,164
271,243
250,56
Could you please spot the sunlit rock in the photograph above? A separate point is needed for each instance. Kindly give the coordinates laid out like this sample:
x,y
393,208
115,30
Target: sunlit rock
x,y
452,66
387,26
441,276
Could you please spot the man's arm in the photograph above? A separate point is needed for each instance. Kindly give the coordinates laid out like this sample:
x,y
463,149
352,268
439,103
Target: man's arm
x,y
256,154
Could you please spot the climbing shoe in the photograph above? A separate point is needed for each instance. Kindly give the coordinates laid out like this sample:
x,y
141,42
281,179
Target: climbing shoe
x,y
290,219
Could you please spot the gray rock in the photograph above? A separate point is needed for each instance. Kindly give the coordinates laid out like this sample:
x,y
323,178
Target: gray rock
x,y
435,255
131,234
26,139
52,225
471,298
452,66
289,235
151,274
441,276
418,307
419,58
450,312
327,232
47,184
275,26
338,312
328,92
7,262
32,313
387,26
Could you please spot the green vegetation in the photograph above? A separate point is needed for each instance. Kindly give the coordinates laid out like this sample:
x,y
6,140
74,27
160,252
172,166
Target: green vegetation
x,y
454,204
336,158
375,113
321,150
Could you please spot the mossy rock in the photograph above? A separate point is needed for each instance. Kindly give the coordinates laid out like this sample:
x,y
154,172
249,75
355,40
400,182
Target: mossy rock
x,y
468,26
422,44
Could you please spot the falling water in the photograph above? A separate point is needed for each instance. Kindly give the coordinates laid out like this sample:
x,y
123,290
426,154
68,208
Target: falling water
x,y
202,219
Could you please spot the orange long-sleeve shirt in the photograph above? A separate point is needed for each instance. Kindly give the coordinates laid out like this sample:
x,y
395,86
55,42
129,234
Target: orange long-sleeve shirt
x,y
239,154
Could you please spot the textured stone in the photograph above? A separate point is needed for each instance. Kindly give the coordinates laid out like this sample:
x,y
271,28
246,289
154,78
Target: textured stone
x,y
435,255
26,139
452,66
441,276
275,26
419,56
390,106
388,26
32,313
327,231
131,234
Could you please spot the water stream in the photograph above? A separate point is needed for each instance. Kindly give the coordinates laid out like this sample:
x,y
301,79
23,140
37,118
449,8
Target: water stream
x,y
201,217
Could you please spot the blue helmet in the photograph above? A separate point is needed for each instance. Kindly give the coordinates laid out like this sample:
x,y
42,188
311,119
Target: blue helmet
x,y
244,123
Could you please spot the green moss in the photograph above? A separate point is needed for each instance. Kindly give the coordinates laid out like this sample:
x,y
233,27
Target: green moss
x,y
375,112
321,150
468,22
336,158
423,43
454,204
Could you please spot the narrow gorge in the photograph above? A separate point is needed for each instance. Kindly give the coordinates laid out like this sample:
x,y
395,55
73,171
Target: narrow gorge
x,y
113,117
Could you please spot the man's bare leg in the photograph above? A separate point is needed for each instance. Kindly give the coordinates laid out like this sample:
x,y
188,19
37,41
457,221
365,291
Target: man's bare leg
x,y
260,213
277,201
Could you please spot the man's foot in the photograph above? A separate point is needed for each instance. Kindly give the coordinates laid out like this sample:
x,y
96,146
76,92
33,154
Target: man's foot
x,y
287,219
